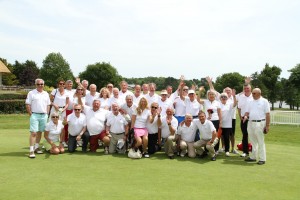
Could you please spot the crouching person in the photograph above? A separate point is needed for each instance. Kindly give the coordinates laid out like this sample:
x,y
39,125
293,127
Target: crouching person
x,y
117,127
168,125
208,135
54,135
186,135
77,129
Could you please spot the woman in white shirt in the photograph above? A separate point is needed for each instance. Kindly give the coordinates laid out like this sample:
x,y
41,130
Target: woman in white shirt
x,y
54,135
60,99
140,117
80,93
104,98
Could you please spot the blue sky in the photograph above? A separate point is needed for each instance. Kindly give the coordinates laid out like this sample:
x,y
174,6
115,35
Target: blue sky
x,y
155,38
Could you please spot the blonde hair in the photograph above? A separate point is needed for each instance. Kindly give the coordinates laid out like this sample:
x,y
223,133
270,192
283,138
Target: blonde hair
x,y
140,107
102,90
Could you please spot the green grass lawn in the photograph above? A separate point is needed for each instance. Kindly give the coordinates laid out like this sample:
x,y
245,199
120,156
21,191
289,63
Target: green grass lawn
x,y
99,176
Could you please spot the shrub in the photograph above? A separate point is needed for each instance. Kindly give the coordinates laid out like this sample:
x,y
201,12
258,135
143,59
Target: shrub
x,y
12,106
12,96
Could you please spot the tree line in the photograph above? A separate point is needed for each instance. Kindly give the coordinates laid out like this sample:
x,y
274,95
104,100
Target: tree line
x,y
56,67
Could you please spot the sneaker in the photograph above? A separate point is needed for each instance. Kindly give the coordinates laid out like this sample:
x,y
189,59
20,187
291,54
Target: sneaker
x,y
243,155
227,154
31,154
221,151
182,154
214,158
106,150
146,155
261,162
234,151
250,160
38,151
65,145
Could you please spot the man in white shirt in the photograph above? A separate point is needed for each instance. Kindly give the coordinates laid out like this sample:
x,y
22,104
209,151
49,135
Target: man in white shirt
x,y
116,98
186,136
258,113
96,118
124,91
137,94
243,100
117,127
37,106
168,125
92,95
77,129
208,135
152,96
164,102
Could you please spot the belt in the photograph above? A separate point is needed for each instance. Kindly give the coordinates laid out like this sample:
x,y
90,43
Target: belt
x,y
258,120
38,113
118,133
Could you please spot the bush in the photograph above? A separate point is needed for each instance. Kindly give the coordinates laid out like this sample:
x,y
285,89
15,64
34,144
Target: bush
x,y
13,96
12,106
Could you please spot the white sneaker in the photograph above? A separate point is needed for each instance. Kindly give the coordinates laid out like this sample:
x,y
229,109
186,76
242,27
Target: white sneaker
x,y
38,151
234,151
31,154
182,154
243,155
227,153
65,144
106,150
221,150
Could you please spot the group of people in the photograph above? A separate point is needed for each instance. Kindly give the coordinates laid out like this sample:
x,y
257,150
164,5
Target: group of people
x,y
181,122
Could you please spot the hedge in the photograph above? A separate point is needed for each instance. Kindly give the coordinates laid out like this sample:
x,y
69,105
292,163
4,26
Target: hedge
x,y
12,106
12,96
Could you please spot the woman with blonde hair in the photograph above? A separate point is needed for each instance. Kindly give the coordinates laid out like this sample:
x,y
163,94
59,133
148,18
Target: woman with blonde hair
x,y
104,98
54,135
141,115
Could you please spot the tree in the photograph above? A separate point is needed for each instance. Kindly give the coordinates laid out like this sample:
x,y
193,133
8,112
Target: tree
x,y
269,76
172,82
29,74
54,67
233,80
294,81
101,74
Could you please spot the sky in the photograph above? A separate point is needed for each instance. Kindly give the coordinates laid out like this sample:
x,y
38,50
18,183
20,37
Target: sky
x,y
162,38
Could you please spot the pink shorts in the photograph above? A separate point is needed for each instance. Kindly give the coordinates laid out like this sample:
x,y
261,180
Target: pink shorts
x,y
139,132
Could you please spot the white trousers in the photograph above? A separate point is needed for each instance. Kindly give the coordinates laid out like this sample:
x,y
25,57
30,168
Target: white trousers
x,y
257,139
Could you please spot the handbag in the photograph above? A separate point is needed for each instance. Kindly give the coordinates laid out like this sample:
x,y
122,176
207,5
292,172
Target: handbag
x,y
134,154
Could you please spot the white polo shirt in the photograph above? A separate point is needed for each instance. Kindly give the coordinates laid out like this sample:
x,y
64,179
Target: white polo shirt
x,y
104,102
60,99
95,120
187,133
192,107
118,101
214,105
129,110
141,120
89,99
243,101
117,123
206,129
233,113
136,99
54,130
180,107
122,95
38,101
164,105
71,96
152,127
257,109
226,114
165,131
153,98
76,124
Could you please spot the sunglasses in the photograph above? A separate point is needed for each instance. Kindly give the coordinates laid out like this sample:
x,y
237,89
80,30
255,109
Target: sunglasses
x,y
41,84
254,93
154,107
53,117
223,97
77,109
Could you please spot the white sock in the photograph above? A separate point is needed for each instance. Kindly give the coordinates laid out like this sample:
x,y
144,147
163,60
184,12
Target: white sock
x,y
31,148
36,145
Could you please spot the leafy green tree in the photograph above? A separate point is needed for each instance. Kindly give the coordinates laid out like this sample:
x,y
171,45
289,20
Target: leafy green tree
x,y
29,74
269,76
54,67
101,74
294,81
233,80
172,82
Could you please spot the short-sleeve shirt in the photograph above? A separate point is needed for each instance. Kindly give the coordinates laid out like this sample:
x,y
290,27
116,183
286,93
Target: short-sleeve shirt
x,y
141,120
76,124
214,106
54,130
257,109
226,110
206,129
95,120
152,127
165,131
89,99
117,123
38,101
187,133
192,107
60,99
243,100
164,105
